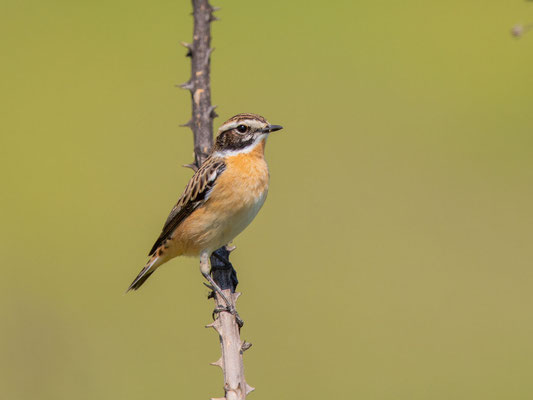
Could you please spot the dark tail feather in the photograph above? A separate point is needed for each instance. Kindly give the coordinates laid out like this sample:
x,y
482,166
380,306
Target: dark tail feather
x,y
143,275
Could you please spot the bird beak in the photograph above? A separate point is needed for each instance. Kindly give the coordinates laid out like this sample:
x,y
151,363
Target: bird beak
x,y
272,128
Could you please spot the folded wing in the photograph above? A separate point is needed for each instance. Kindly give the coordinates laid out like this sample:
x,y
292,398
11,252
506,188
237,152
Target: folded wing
x,y
195,194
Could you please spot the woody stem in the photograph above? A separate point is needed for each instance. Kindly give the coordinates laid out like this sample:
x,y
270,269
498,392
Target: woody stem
x,y
201,123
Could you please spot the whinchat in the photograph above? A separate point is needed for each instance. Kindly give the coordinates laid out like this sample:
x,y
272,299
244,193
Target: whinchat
x,y
220,200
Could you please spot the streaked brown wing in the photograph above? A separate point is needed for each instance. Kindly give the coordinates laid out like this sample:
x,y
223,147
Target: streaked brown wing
x,y
193,196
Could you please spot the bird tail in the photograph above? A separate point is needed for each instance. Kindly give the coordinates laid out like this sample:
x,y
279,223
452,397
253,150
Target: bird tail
x,y
145,273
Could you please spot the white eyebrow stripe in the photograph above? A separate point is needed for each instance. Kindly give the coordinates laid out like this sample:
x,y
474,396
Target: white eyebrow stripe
x,y
253,123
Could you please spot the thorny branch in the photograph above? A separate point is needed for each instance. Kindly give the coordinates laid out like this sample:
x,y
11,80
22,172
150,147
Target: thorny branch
x,y
201,123
199,85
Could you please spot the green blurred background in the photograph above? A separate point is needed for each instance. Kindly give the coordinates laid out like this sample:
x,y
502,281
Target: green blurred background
x,y
392,260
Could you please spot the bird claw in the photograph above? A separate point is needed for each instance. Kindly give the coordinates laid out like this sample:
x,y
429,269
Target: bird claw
x,y
230,310
211,294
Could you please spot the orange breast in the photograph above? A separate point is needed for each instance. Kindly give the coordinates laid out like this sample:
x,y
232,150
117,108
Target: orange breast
x,y
237,196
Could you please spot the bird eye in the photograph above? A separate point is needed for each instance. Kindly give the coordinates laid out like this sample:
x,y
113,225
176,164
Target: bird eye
x,y
242,128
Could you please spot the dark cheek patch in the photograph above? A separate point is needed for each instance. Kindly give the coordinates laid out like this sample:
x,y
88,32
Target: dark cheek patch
x,y
232,141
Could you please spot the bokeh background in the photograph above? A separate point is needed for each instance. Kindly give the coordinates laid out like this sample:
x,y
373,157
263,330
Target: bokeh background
x,y
392,260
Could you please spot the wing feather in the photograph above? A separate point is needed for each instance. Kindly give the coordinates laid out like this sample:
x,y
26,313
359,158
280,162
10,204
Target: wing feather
x,y
194,195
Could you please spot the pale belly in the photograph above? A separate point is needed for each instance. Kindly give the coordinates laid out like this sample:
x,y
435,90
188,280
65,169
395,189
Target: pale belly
x,y
213,226
235,224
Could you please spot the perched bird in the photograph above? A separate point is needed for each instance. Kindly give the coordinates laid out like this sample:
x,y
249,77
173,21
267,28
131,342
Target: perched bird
x,y
220,200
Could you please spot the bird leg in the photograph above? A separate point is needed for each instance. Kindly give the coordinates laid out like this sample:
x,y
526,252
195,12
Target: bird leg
x,y
222,270
205,269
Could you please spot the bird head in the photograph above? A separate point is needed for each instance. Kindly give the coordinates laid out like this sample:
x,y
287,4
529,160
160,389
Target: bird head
x,y
242,133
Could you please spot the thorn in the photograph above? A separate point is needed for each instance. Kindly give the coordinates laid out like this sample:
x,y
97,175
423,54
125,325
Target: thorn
x,y
245,346
217,363
211,112
187,85
249,389
191,166
209,51
236,295
187,124
214,325
230,248
189,48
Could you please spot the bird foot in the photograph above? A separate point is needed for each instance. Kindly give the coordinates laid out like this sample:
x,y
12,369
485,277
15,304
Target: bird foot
x,y
232,311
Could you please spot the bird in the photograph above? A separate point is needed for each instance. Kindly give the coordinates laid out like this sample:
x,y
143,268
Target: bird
x,y
220,200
